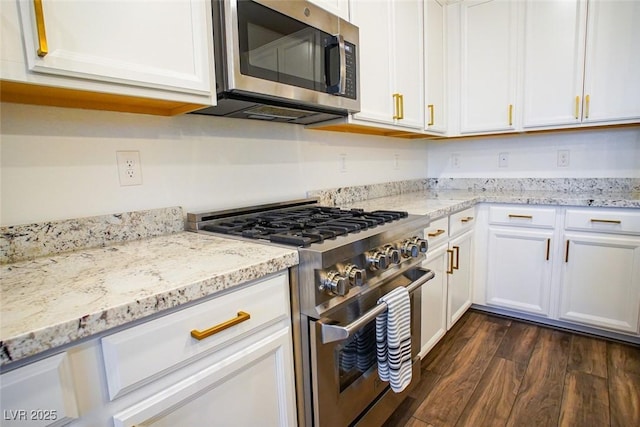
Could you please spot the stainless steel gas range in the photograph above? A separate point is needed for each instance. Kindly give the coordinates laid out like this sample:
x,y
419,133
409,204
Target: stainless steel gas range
x,y
349,258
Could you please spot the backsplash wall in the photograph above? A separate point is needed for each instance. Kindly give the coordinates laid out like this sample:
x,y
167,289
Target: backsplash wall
x,y
606,153
61,163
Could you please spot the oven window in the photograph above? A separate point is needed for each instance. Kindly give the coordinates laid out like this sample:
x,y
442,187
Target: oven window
x,y
357,355
278,48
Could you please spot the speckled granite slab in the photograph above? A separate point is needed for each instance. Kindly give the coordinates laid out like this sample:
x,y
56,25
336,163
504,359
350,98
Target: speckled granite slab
x,y
51,301
345,195
565,185
21,242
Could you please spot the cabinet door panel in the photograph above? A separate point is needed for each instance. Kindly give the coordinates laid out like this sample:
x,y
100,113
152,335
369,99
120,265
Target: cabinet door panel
x,y
488,65
435,67
612,62
553,62
459,291
601,281
123,42
376,58
253,387
519,269
434,301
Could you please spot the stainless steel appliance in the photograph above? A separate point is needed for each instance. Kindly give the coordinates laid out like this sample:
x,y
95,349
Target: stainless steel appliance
x,y
348,260
283,60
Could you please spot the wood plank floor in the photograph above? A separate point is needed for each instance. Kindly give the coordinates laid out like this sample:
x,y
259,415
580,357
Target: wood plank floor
x,y
492,371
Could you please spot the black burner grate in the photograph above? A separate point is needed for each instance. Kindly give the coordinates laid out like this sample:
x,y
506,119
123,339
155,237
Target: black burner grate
x,y
303,226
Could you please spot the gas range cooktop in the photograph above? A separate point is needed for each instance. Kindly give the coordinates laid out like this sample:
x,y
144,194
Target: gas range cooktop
x,y
297,223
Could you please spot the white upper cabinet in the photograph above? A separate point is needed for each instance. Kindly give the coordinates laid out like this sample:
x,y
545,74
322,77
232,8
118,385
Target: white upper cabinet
x,y
488,65
391,62
612,64
553,62
337,7
579,66
436,119
160,50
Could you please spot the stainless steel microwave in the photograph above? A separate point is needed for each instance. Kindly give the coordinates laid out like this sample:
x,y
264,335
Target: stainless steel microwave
x,y
283,60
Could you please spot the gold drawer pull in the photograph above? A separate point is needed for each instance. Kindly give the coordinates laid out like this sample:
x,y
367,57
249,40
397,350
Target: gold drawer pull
x,y
436,233
587,99
521,216
548,247
43,48
577,107
200,335
566,253
607,221
457,249
467,219
510,114
430,107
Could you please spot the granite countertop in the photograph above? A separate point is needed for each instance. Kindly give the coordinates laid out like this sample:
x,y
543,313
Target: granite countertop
x,y
439,203
57,299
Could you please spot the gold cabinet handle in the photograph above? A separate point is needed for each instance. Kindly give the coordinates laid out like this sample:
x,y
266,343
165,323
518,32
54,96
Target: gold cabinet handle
x,y
200,335
586,108
548,248
467,219
436,233
450,266
396,106
457,249
566,253
43,48
510,114
401,106
430,107
607,221
521,216
577,110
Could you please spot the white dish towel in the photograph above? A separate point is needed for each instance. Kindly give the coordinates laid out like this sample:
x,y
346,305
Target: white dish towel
x,y
393,339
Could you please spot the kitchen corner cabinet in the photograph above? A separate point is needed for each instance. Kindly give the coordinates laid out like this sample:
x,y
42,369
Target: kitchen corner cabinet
x,y
520,259
600,283
593,79
391,57
448,295
488,45
337,7
108,48
158,373
435,69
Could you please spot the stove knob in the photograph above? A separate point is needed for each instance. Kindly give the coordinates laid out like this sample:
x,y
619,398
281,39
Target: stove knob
x,y
422,244
378,261
392,254
356,275
410,249
335,283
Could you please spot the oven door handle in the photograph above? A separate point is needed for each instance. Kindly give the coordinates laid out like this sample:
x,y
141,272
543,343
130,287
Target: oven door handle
x,y
333,332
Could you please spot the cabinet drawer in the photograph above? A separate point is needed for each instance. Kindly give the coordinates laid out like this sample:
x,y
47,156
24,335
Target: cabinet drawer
x,y
522,216
461,221
134,356
603,220
437,233
39,394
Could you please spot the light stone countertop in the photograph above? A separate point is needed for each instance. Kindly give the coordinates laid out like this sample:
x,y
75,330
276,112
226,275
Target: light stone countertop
x,y
439,203
57,299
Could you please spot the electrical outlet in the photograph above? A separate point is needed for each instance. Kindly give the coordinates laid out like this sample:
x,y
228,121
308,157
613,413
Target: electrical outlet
x,y
129,170
563,158
343,162
503,160
455,160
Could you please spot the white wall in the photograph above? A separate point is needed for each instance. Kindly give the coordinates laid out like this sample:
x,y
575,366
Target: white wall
x,y
611,153
60,163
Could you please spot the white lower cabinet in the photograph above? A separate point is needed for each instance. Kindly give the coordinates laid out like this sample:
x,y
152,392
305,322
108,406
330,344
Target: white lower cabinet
x,y
249,388
459,289
159,373
520,259
447,296
601,281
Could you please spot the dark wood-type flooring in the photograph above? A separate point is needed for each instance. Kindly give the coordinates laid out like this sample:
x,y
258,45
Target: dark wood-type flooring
x,y
493,371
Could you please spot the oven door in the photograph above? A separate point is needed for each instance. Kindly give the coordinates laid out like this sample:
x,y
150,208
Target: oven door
x,y
346,387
